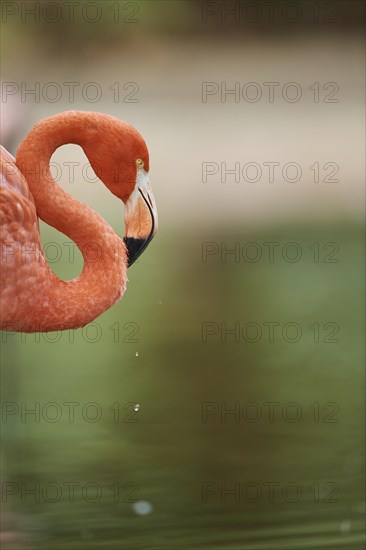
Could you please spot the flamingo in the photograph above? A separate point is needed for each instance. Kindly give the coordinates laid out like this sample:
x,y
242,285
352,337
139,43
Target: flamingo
x,y
33,298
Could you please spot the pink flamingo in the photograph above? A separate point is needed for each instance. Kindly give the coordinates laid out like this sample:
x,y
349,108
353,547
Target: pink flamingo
x,y
33,298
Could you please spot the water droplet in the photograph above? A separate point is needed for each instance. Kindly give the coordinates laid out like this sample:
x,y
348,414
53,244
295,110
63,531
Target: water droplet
x,y
86,534
142,507
345,526
137,407
137,353
160,303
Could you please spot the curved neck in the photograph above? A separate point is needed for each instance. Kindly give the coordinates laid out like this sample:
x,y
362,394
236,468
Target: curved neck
x,y
102,282
54,206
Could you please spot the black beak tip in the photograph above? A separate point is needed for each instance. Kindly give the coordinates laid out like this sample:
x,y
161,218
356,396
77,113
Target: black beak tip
x,y
135,248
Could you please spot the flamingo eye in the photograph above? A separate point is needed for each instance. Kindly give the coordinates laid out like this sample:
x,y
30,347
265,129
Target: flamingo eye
x,y
139,163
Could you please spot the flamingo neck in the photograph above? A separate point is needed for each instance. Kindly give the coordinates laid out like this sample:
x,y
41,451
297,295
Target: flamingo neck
x,y
74,303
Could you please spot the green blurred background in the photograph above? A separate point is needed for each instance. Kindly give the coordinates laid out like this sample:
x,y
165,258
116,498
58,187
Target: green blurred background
x,y
148,350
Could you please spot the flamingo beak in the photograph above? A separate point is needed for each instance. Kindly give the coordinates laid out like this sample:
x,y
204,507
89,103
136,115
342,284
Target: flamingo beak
x,y
141,218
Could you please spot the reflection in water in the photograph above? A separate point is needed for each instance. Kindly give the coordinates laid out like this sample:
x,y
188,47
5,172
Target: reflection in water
x,y
232,430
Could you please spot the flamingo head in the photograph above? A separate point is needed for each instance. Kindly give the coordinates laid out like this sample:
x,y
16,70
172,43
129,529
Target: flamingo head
x,y
122,162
